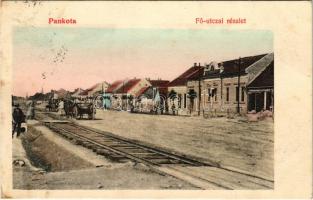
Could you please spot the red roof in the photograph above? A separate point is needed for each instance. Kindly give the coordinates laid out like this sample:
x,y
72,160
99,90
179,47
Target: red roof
x,y
114,86
127,86
141,91
184,77
159,83
85,92
77,90
195,75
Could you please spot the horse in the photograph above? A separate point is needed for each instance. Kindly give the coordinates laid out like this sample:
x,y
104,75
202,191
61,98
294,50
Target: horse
x,y
52,105
69,108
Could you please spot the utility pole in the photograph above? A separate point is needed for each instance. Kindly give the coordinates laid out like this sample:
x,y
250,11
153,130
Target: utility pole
x,y
239,71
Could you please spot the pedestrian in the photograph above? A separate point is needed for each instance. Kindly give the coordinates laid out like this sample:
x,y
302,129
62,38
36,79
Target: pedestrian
x,y
31,110
61,107
18,119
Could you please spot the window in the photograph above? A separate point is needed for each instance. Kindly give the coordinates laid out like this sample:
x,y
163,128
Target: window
x,y
209,94
185,99
237,93
212,93
242,93
215,94
227,94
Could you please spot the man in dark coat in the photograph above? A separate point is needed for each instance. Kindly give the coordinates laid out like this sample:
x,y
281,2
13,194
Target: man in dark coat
x,y
18,118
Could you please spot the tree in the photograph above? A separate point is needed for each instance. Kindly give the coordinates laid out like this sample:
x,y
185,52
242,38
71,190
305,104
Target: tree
x,y
172,94
191,95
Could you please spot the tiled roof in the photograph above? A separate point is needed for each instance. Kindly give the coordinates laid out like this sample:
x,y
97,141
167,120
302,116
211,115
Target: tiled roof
x,y
127,86
258,67
85,92
195,75
159,83
231,67
114,86
265,79
76,90
141,91
183,78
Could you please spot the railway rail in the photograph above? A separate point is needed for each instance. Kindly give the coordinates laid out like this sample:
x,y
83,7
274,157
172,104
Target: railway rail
x,y
122,150
116,148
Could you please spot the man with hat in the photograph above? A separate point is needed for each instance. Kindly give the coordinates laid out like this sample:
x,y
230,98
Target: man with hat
x,y
18,118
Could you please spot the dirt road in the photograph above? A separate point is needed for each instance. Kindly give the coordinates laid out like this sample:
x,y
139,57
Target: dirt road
x,y
231,143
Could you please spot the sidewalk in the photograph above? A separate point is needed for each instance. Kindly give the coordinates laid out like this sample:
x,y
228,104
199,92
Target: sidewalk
x,y
70,170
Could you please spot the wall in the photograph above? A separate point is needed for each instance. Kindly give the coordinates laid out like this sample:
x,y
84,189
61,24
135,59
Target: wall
x,y
219,102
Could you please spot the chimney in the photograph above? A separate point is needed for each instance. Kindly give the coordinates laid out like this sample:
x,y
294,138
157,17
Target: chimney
x,y
199,64
195,64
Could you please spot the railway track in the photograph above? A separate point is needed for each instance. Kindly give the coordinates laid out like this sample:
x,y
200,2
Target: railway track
x,y
122,150
118,149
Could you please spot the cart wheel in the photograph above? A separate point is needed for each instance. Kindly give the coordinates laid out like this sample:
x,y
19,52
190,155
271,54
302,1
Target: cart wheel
x,y
98,102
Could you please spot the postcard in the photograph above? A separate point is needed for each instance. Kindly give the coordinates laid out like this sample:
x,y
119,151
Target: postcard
x,y
156,99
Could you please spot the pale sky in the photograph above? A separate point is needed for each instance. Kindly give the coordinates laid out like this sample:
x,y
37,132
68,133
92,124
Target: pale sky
x,y
68,58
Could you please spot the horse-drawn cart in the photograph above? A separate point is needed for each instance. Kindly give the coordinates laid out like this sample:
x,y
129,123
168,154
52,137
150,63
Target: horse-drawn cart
x,y
53,105
82,109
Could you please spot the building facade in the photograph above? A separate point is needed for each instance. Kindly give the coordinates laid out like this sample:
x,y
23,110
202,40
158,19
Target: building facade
x,y
123,97
225,85
180,99
219,88
260,86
